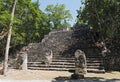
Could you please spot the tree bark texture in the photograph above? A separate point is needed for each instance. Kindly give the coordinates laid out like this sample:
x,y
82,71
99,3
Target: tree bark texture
x,y
8,39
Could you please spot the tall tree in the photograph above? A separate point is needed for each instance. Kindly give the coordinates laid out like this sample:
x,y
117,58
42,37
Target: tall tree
x,y
8,39
102,16
58,16
30,23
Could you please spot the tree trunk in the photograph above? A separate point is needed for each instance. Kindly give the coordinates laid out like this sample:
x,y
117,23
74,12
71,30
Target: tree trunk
x,y
8,40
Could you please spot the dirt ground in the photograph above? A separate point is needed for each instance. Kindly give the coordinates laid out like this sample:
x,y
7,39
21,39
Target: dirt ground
x,y
58,76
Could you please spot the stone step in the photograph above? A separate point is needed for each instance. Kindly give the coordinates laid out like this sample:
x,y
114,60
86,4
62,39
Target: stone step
x,y
57,57
95,70
66,69
51,69
69,61
53,63
65,63
53,66
63,66
74,58
95,67
89,56
94,64
72,61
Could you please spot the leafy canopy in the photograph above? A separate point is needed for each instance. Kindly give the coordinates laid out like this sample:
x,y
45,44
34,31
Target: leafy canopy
x,y
58,15
102,16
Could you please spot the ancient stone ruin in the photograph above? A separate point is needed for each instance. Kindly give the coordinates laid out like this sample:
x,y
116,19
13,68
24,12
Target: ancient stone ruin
x,y
62,44
80,62
80,65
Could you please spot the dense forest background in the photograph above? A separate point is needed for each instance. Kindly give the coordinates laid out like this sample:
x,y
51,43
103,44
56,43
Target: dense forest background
x,y
30,24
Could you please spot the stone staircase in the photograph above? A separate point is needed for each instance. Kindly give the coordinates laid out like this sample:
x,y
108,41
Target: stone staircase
x,y
94,64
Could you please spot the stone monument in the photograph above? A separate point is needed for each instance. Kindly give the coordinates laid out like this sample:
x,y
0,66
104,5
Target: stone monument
x,y
48,56
80,65
23,57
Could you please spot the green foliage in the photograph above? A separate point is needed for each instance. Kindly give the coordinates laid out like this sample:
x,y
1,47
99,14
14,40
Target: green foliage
x,y
4,16
102,16
58,16
30,24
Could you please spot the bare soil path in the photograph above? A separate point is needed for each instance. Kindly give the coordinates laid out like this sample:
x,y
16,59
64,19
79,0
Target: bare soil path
x,y
55,76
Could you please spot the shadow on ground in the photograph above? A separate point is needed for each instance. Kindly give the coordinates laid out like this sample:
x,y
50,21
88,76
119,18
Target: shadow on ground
x,y
86,79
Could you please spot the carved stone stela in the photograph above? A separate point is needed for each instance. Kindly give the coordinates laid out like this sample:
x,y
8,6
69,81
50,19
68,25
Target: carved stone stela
x,y
80,64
